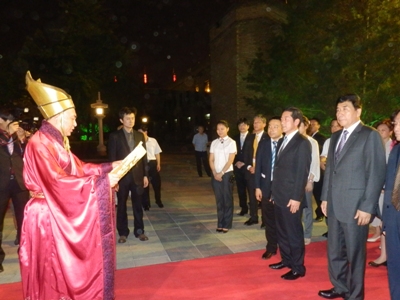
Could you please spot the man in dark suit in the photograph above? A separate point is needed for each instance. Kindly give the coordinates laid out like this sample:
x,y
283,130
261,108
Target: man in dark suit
x,y
313,129
12,145
391,212
120,144
290,175
265,161
239,168
249,154
354,176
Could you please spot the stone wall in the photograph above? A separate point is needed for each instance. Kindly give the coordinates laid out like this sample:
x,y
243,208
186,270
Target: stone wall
x,y
246,29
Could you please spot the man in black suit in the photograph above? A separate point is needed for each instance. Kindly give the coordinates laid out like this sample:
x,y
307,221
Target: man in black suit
x,y
290,175
354,176
265,161
239,168
120,144
12,145
313,129
249,154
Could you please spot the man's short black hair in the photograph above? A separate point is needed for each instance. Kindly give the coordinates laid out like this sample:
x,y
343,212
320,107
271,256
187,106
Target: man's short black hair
x,y
127,111
316,120
296,113
353,98
243,120
144,127
6,114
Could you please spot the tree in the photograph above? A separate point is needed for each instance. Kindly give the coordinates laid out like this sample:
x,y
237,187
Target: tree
x,y
330,48
76,50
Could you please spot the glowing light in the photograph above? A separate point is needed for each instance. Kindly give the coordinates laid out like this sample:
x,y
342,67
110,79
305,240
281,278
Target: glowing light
x,y
207,88
144,120
99,111
145,78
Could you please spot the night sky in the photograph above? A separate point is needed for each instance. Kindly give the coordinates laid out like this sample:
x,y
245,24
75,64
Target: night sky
x,y
164,34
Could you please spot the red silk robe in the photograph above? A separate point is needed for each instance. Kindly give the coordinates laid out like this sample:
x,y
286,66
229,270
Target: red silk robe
x,y
67,246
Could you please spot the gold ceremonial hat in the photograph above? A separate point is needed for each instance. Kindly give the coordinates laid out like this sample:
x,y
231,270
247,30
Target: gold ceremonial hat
x,y
51,100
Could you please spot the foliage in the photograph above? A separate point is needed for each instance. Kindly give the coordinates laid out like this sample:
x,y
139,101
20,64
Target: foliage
x,y
331,48
76,50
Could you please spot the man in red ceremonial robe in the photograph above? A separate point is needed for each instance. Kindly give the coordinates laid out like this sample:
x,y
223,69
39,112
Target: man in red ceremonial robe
x,y
67,247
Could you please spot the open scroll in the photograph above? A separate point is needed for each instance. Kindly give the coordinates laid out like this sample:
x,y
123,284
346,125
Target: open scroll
x,y
130,161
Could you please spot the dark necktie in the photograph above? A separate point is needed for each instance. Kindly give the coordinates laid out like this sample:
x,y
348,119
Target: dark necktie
x,y
341,144
396,189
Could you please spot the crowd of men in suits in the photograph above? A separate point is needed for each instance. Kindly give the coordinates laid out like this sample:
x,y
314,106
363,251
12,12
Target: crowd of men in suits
x,y
273,167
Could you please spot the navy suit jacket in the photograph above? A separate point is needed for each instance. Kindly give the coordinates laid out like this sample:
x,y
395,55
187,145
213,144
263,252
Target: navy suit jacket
x,y
248,149
240,154
292,167
393,163
263,167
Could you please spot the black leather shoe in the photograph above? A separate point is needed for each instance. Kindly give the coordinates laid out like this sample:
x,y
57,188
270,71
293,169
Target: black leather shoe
x,y
122,239
330,294
262,226
292,275
325,234
268,255
375,265
250,222
318,219
277,266
160,204
1,268
242,213
146,207
16,241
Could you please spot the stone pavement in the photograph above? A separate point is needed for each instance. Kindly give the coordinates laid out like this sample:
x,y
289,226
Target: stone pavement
x,y
183,229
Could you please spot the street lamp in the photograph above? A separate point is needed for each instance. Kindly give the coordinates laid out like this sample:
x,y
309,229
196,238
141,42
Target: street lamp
x,y
99,107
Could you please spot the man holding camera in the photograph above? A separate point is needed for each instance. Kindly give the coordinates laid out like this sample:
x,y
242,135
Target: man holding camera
x,y
12,145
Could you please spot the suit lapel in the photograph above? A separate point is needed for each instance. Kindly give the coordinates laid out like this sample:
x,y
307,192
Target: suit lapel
x,y
288,145
350,141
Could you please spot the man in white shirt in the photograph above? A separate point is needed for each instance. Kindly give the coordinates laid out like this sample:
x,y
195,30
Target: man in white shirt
x,y
200,142
154,165
313,176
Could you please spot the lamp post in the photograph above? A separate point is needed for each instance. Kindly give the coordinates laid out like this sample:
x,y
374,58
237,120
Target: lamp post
x,y
99,107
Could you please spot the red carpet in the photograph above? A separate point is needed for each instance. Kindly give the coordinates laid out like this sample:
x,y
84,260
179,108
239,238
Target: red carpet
x,y
236,276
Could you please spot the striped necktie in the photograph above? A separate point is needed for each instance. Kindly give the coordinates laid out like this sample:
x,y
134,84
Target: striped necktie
x,y
341,144
274,143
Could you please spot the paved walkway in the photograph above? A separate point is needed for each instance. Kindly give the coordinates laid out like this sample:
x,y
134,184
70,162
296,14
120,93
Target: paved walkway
x,y
183,229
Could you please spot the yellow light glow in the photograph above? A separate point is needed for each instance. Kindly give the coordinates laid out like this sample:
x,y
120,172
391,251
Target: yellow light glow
x,y
99,111
144,120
